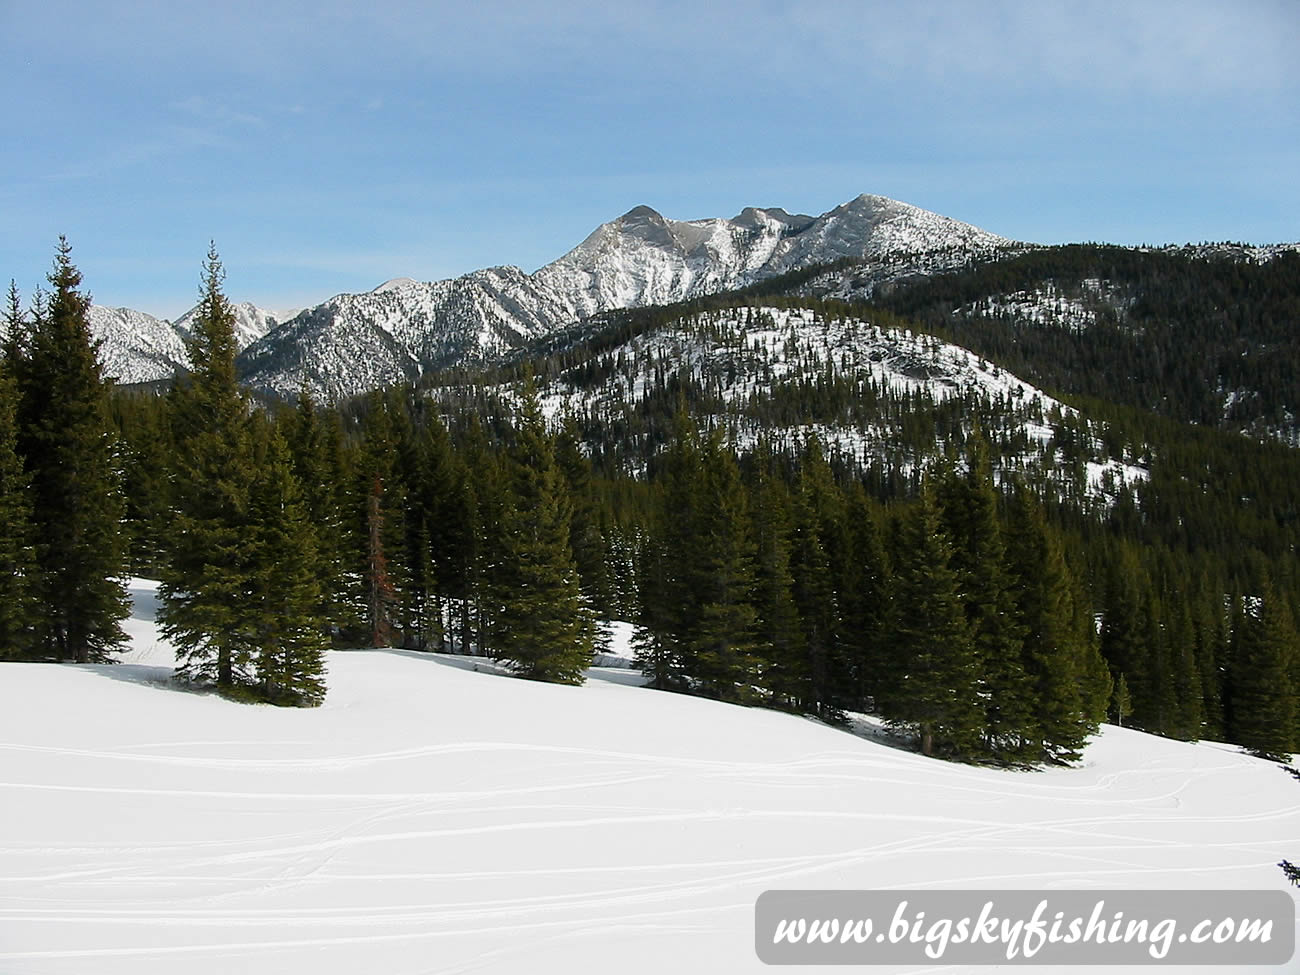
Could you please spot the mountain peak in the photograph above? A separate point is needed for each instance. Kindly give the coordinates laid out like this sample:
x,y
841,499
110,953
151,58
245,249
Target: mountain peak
x,y
393,284
641,258
640,213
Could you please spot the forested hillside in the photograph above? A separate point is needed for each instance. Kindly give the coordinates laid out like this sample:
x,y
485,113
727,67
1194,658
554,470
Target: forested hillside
x,y
800,505
1207,335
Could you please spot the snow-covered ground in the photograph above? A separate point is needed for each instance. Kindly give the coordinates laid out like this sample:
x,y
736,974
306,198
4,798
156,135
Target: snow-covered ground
x,y
433,819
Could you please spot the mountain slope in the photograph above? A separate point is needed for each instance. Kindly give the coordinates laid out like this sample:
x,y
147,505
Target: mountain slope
x,y
401,329
1206,334
135,347
139,348
873,394
251,322
431,817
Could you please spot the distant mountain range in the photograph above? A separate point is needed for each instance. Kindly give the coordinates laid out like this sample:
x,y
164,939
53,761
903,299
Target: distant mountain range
x,y
403,328
138,348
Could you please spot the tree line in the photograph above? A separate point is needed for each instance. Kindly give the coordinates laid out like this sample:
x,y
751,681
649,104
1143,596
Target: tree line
x,y
976,615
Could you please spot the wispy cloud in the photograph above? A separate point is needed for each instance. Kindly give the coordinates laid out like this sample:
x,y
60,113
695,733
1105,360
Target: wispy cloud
x,y
125,154
212,111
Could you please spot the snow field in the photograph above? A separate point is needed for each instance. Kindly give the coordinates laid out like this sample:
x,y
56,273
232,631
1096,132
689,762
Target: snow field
x,y
431,818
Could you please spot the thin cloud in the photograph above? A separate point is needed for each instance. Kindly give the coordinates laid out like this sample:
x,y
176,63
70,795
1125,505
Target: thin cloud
x,y
211,111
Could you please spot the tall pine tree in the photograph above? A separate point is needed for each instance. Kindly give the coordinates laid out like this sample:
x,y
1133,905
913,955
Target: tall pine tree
x,y
1264,696
284,609
17,565
207,578
932,688
543,625
67,445
969,506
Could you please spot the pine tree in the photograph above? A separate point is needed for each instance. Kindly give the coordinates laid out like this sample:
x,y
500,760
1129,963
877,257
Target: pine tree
x,y
380,593
64,436
1068,682
458,552
932,685
778,633
379,506
586,540
818,559
654,656
435,495
667,590
543,626
283,609
17,565
207,579
721,617
1125,633
14,349
315,444
1123,701
865,597
969,509
1185,677
1265,700
485,504
146,453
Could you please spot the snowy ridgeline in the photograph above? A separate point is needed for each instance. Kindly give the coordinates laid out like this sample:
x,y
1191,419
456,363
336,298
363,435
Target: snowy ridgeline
x,y
355,342
742,355
430,818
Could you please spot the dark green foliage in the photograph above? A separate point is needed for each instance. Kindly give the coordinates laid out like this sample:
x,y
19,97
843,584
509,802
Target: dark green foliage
x,y
778,634
379,538
206,579
1125,635
586,537
241,582
1068,683
667,594
438,486
820,557
721,617
1122,701
931,688
146,486
1264,695
865,595
1176,332
316,451
283,609
18,621
770,577
541,623
655,652
64,436
969,510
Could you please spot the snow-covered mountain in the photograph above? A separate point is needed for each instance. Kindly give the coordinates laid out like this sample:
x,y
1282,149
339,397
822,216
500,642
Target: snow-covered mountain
x,y
402,328
356,342
749,361
138,348
135,347
644,259
251,322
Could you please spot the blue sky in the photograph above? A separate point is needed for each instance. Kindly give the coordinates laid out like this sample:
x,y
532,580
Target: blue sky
x,y
327,147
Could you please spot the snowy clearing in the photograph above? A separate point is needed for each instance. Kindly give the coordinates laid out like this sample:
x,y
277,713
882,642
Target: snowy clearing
x,y
433,819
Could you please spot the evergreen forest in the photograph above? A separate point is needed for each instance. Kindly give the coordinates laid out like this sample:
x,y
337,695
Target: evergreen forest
x,y
988,609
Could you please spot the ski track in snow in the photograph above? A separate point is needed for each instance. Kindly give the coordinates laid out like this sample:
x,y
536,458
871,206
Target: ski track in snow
x,y
429,819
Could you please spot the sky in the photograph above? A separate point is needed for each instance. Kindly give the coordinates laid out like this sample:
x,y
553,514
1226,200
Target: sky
x,y
329,146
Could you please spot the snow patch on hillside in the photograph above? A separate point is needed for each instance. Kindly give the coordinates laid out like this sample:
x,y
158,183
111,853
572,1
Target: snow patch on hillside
x,y
742,354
